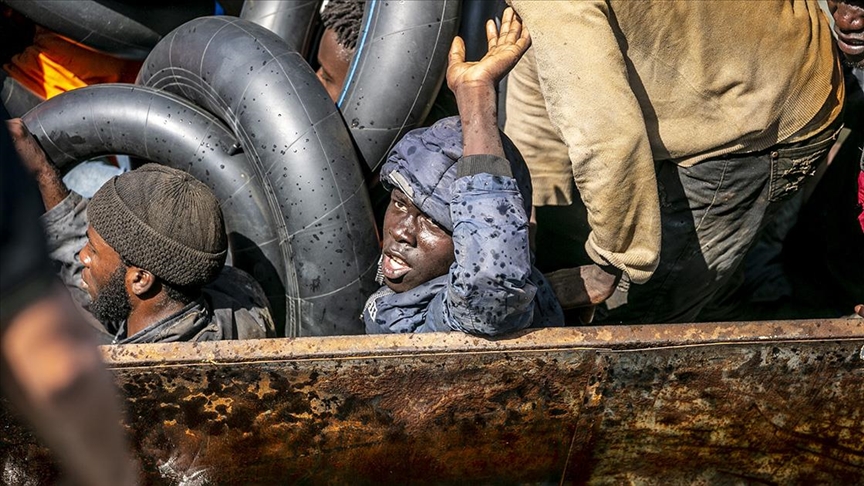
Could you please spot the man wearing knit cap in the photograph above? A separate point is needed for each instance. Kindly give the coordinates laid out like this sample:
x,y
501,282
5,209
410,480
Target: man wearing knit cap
x,y
143,256
455,245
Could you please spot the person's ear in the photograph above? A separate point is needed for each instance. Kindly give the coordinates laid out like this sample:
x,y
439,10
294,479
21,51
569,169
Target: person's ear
x,y
139,281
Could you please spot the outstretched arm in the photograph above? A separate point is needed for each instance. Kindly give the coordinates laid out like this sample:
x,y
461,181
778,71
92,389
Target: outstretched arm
x,y
489,290
474,83
34,159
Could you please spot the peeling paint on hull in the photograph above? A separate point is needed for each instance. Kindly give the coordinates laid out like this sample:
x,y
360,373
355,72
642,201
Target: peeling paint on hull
x,y
775,402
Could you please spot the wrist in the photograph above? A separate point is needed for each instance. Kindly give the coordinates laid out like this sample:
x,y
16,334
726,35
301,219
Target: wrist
x,y
611,270
474,89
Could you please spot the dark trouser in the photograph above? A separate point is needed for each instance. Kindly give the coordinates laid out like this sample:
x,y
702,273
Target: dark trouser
x,y
711,214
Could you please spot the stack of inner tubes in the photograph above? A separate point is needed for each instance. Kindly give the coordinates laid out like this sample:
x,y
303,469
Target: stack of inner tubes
x,y
238,107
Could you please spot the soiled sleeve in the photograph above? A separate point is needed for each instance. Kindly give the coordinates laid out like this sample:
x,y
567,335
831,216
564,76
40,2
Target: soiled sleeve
x,y
584,80
489,291
66,230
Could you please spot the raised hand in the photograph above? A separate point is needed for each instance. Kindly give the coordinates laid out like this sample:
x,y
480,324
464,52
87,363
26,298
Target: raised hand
x,y
34,159
505,49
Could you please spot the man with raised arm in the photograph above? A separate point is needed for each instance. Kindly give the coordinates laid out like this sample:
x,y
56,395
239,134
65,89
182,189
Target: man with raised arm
x,y
146,255
455,244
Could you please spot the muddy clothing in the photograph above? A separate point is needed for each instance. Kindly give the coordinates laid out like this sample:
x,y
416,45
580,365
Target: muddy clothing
x,y
651,97
231,307
492,288
627,83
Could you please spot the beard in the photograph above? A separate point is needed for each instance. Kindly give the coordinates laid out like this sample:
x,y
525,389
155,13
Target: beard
x,y
112,304
858,64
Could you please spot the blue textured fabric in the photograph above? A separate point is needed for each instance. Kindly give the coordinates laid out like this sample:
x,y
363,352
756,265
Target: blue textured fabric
x,y
423,166
492,288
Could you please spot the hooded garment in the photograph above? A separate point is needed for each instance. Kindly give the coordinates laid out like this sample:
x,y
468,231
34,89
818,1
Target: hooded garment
x,y
484,200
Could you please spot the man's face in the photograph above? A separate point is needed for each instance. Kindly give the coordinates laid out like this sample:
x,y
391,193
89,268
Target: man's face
x,y
104,277
849,27
334,60
416,249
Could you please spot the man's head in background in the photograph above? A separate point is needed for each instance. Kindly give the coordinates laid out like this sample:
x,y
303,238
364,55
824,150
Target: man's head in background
x,y
341,19
156,236
849,27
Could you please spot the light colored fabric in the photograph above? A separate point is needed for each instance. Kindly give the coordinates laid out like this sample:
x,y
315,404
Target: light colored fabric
x,y
529,127
627,83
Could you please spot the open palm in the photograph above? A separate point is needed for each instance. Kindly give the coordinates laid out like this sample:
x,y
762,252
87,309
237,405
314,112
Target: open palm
x,y
505,49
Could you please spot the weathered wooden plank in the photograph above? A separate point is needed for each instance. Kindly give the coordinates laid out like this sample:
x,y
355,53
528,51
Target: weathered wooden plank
x,y
778,402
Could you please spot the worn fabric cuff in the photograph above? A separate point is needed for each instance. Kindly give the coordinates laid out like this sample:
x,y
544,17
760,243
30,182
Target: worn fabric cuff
x,y
62,210
483,164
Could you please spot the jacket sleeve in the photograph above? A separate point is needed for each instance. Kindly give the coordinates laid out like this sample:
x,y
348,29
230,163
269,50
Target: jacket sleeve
x,y
66,230
584,80
489,291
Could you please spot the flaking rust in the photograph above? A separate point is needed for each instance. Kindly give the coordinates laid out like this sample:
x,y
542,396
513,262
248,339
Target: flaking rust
x,y
777,402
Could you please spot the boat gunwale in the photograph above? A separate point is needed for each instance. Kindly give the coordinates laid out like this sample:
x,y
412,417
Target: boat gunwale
x,y
598,338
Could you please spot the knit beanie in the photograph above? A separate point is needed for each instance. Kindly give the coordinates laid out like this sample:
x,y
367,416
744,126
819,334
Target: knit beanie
x,y
423,165
164,221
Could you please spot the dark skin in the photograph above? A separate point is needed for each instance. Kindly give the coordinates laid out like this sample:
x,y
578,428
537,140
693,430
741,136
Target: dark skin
x,y
849,27
474,87
52,370
150,302
416,249
333,60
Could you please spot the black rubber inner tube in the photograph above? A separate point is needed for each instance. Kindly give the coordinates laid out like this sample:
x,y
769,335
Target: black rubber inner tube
x,y
289,127
292,20
124,29
397,70
160,127
472,25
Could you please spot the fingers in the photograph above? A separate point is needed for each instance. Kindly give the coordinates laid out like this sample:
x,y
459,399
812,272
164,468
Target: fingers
x,y
514,26
491,35
17,128
506,20
457,51
512,32
524,41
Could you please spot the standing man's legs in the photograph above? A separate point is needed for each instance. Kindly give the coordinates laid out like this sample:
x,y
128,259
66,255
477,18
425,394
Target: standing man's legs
x,y
711,213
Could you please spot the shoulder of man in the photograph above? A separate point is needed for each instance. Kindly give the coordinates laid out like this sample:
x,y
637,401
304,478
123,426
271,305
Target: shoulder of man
x,y
236,293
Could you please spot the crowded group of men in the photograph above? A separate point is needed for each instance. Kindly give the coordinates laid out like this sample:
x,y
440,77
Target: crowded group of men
x,y
670,142
663,141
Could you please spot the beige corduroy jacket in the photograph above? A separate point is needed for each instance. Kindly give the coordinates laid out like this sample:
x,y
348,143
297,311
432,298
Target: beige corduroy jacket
x,y
626,83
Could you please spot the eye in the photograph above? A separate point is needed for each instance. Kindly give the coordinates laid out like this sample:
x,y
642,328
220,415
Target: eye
x,y
399,205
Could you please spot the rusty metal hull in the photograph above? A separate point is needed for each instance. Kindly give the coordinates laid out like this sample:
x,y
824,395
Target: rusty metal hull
x,y
775,402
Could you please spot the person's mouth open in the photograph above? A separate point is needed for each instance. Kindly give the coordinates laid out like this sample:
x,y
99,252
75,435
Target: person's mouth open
x,y
851,46
394,267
